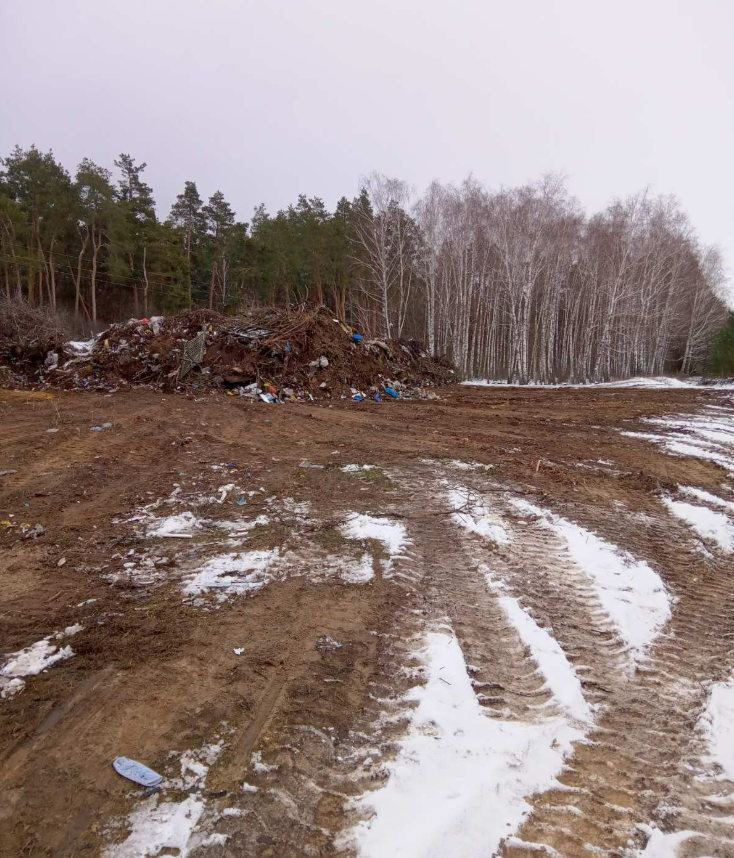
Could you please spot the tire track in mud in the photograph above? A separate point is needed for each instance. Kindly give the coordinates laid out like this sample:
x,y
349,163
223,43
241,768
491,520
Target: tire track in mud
x,y
637,765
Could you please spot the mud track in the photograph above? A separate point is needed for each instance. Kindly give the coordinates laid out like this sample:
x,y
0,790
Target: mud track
x,y
300,671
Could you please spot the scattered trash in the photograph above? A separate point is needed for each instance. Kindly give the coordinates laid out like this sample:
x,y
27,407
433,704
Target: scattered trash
x,y
240,501
305,464
358,397
32,532
327,643
136,772
274,354
95,428
391,392
61,562
52,430
239,651
377,397
6,473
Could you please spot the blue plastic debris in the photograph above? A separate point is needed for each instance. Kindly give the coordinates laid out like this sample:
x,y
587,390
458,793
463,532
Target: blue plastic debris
x,y
391,392
240,502
357,338
377,397
288,348
358,397
136,772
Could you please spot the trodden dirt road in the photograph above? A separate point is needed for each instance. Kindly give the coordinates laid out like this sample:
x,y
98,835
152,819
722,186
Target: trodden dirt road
x,y
498,624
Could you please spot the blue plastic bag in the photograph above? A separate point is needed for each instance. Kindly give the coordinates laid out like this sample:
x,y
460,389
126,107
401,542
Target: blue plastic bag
x,y
136,772
391,392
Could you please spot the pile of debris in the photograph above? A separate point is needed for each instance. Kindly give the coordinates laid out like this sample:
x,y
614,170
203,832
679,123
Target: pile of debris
x,y
275,355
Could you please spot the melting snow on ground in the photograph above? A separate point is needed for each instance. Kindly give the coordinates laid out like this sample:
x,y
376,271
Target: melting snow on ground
x,y
360,572
662,845
159,825
472,515
550,657
391,534
707,523
32,660
460,782
708,436
632,594
660,381
716,725
232,574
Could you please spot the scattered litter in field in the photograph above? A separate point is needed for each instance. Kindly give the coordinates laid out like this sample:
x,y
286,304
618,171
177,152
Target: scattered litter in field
x,y
472,515
633,595
550,657
158,825
351,469
30,661
69,631
454,764
716,725
391,534
232,574
707,523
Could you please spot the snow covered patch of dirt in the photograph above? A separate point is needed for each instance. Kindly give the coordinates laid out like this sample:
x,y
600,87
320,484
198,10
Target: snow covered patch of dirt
x,y
704,436
632,594
660,844
31,660
716,725
708,524
159,826
473,516
391,534
360,572
232,574
547,652
454,764
706,497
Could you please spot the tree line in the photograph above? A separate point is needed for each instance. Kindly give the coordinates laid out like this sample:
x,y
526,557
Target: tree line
x,y
518,283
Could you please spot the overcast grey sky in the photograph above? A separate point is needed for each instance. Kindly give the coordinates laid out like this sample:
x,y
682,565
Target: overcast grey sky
x,y
269,99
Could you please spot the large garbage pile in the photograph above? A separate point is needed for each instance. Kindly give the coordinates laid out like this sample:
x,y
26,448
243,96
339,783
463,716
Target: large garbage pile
x,y
279,354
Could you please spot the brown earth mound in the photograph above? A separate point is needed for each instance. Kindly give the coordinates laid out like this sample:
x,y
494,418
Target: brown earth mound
x,y
285,354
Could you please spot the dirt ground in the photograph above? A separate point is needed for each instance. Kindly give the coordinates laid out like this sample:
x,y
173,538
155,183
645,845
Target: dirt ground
x,y
300,709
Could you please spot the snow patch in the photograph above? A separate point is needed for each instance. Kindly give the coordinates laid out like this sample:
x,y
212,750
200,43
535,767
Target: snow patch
x,y
473,516
707,523
391,534
550,657
30,661
716,725
159,825
454,764
633,595
662,845
360,573
232,574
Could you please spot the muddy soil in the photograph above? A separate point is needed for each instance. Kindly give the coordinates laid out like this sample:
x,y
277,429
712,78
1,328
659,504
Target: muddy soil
x,y
291,674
